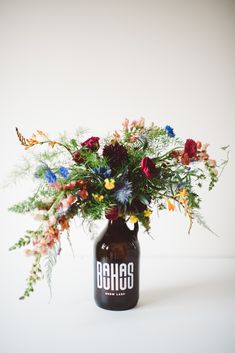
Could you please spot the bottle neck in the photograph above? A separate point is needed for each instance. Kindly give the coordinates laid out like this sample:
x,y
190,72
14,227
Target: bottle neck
x,y
119,229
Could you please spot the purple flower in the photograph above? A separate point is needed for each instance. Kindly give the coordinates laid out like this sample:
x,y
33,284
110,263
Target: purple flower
x,y
123,193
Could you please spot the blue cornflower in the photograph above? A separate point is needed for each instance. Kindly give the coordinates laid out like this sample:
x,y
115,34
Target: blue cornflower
x,y
50,176
63,172
104,172
170,131
122,195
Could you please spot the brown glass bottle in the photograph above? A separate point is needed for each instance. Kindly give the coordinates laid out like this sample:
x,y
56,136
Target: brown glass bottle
x,y
116,267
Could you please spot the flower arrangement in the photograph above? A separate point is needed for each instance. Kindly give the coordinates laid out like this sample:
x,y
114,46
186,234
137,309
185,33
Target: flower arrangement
x,y
128,174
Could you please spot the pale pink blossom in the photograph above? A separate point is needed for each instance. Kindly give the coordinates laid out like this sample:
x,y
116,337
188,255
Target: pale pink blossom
x,y
56,185
48,200
214,171
199,145
52,220
29,252
204,147
141,122
40,215
211,163
134,124
116,135
125,124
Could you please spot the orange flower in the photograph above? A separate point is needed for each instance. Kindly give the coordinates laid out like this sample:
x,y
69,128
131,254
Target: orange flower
x,y
83,194
52,143
182,196
64,223
185,158
41,133
170,205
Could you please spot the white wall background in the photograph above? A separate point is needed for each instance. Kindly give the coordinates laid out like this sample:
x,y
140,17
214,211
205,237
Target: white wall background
x,y
65,64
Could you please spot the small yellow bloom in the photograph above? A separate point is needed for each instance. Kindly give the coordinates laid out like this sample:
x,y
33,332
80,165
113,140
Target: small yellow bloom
x,y
147,213
133,219
182,196
182,193
98,197
109,184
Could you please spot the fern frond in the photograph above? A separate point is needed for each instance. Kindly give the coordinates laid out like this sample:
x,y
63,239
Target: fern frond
x,y
200,220
48,263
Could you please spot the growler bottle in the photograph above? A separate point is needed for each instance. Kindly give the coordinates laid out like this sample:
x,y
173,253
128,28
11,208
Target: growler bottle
x,y
116,267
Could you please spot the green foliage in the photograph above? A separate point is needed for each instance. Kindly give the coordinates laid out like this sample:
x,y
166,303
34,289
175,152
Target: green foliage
x,y
85,193
34,276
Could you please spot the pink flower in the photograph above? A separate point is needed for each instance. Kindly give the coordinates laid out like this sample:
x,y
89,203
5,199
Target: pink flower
x,y
211,163
29,252
52,220
134,124
55,185
125,124
141,122
66,203
204,147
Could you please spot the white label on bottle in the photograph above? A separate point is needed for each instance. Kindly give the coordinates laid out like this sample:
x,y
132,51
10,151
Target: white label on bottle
x,y
115,276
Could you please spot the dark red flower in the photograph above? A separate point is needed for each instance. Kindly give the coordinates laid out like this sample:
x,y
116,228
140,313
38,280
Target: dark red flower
x,y
77,157
148,168
190,148
137,206
112,213
116,154
92,143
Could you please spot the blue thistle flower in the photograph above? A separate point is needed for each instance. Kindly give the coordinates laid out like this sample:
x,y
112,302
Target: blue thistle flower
x,y
63,172
122,195
50,176
170,131
104,172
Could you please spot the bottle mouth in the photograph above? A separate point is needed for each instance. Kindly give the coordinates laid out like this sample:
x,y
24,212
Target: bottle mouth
x,y
122,223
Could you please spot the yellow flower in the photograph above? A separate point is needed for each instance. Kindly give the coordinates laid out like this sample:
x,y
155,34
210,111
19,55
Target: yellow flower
x,y
182,196
109,184
133,219
147,213
182,193
98,197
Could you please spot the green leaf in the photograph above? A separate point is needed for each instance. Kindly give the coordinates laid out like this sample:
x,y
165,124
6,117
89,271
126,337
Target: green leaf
x,y
224,148
74,143
144,199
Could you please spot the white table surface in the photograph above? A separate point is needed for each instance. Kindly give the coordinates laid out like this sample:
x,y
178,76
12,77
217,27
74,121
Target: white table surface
x,y
186,305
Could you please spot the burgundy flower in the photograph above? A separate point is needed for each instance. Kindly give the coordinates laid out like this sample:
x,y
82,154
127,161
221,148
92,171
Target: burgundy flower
x,y
92,143
148,168
137,206
116,154
190,148
77,157
112,213
190,151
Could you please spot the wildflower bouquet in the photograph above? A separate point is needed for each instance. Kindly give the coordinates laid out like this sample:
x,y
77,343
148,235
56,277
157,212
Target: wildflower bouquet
x,y
129,174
